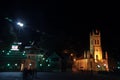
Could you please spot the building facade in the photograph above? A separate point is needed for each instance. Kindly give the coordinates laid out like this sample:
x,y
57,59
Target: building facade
x,y
10,60
93,59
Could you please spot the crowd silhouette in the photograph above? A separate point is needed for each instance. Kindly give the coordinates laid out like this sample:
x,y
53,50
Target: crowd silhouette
x,y
29,74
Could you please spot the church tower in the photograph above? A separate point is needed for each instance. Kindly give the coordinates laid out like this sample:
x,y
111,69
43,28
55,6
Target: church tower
x,y
94,58
95,45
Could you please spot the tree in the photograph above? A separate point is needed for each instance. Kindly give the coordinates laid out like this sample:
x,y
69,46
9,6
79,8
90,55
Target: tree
x,y
7,36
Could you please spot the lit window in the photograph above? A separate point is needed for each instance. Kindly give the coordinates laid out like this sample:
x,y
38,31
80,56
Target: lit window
x,y
97,41
15,47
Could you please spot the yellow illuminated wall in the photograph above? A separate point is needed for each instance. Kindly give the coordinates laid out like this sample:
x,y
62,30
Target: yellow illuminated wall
x,y
95,45
81,64
93,59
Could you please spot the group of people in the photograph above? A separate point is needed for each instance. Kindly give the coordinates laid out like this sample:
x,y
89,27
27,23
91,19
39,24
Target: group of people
x,y
29,74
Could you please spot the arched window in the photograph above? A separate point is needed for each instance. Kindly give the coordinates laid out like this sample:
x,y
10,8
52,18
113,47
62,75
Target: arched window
x,y
97,41
91,64
96,56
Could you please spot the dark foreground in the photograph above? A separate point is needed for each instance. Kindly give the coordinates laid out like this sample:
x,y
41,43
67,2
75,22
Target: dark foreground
x,y
60,76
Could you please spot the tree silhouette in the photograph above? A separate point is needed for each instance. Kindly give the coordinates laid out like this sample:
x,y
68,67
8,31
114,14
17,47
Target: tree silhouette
x,y
7,35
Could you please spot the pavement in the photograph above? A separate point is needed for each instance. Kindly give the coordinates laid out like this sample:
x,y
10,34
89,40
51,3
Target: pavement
x,y
59,76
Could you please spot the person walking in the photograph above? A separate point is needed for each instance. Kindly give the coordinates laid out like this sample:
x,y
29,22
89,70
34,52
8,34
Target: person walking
x,y
25,74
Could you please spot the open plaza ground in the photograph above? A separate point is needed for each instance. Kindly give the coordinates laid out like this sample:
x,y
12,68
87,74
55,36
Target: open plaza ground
x,y
60,76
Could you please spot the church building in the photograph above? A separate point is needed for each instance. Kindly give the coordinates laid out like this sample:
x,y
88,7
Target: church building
x,y
94,59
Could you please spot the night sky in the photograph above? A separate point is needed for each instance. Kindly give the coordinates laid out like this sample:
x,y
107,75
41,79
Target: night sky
x,y
65,23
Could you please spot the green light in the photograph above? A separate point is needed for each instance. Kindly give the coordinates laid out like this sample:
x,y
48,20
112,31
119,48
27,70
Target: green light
x,y
48,64
40,64
3,51
43,58
118,67
23,54
46,60
8,64
41,55
8,53
8,19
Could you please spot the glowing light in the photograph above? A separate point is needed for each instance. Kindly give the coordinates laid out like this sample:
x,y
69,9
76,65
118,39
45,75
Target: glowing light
x,y
23,54
40,64
118,67
3,51
98,55
71,54
8,53
15,47
22,67
16,64
10,20
74,59
20,24
41,55
43,58
104,64
48,64
8,64
46,60
30,64
98,66
19,43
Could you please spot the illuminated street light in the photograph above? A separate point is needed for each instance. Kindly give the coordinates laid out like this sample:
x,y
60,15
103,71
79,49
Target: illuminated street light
x,y
8,64
23,54
8,53
30,64
43,58
16,64
40,64
48,64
